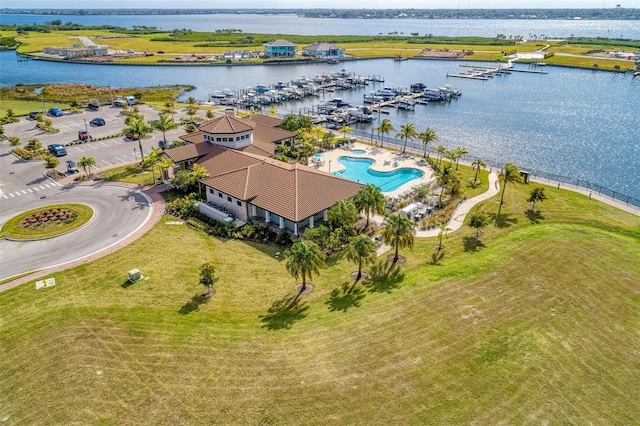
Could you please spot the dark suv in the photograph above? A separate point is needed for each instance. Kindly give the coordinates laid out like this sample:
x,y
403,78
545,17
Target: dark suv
x,y
34,114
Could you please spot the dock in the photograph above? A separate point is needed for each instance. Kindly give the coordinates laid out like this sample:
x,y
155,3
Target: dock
x,y
484,73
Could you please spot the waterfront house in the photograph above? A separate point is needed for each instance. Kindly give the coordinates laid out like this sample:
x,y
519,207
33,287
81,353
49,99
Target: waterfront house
x,y
280,49
323,50
246,184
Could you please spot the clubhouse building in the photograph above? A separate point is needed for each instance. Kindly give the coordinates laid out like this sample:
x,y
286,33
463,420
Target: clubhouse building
x,y
245,183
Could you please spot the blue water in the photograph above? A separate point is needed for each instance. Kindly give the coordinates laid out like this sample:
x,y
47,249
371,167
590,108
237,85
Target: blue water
x,y
358,151
293,24
318,155
358,169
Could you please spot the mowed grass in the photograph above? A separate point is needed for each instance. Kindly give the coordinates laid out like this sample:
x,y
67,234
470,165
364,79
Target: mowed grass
x,y
536,323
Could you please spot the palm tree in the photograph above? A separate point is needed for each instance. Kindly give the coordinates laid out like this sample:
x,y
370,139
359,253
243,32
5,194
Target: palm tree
x,y
345,130
361,250
207,278
536,195
152,159
273,111
443,231
440,150
304,258
86,163
459,152
477,165
426,137
371,200
164,123
198,172
510,174
384,128
138,129
444,178
343,214
164,164
479,221
407,132
398,231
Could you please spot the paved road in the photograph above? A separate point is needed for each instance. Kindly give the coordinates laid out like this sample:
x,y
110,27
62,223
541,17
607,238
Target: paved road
x,y
119,212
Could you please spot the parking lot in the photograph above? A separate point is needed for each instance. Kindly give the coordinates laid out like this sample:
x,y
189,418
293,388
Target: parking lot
x,y
18,177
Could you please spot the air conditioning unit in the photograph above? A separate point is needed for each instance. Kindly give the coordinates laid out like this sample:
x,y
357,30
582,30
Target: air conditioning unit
x,y
134,275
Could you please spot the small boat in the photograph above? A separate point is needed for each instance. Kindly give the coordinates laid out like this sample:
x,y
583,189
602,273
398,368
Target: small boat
x,y
332,61
398,58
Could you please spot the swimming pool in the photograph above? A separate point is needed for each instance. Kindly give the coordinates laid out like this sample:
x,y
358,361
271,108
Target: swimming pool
x,y
358,169
358,151
318,155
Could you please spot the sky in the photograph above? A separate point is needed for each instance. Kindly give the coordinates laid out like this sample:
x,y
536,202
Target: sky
x,y
324,4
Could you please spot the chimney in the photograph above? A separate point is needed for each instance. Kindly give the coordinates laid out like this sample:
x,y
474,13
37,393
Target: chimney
x,y
230,111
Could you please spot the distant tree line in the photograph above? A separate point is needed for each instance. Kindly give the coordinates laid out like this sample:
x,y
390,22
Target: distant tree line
x,y
617,13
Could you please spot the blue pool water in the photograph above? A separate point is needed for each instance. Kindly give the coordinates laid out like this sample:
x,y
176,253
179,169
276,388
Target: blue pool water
x,y
358,151
318,155
358,169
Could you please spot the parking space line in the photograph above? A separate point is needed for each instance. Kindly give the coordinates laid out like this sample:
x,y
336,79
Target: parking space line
x,y
11,195
91,146
29,190
41,187
81,150
120,159
4,196
35,189
24,192
103,143
107,163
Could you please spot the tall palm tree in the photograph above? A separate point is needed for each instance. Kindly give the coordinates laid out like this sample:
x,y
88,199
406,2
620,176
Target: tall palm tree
x,y
407,132
164,164
371,200
440,150
384,128
198,172
477,165
273,111
152,159
398,231
459,153
138,129
86,163
343,214
361,250
510,174
164,123
426,137
304,258
444,177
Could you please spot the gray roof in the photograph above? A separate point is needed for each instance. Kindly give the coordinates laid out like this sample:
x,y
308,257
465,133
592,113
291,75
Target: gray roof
x,y
280,43
321,46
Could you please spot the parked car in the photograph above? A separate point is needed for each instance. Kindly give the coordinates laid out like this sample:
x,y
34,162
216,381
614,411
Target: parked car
x,y
98,121
34,114
56,112
195,123
83,135
57,149
164,144
71,166
94,104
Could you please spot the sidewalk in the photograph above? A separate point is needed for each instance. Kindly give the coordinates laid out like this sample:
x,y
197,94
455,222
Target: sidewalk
x,y
153,192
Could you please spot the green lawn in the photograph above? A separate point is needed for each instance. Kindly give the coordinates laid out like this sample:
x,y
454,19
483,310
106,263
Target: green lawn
x,y
538,323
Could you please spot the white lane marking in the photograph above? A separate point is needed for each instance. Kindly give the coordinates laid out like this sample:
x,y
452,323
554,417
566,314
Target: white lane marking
x,y
29,190
91,146
35,189
24,192
81,150
107,163
104,144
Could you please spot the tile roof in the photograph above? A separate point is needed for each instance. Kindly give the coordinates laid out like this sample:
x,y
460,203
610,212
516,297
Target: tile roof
x,y
292,191
225,124
187,152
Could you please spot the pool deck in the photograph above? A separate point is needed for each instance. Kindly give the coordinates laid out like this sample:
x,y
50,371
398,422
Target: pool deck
x,y
385,161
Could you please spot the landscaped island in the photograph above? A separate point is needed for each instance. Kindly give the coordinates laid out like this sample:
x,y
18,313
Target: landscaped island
x,y
144,45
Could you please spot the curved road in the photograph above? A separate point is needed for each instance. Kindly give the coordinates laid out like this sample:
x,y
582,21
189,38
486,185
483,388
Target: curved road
x,y
118,212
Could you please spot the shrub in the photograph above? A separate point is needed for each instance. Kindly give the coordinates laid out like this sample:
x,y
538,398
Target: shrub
x,y
283,238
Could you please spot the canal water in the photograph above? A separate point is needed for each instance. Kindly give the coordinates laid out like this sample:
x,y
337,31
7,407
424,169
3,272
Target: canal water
x,y
576,123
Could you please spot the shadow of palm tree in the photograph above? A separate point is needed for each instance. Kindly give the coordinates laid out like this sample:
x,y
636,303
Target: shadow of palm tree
x,y
384,277
284,313
472,244
193,304
347,297
534,216
504,220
